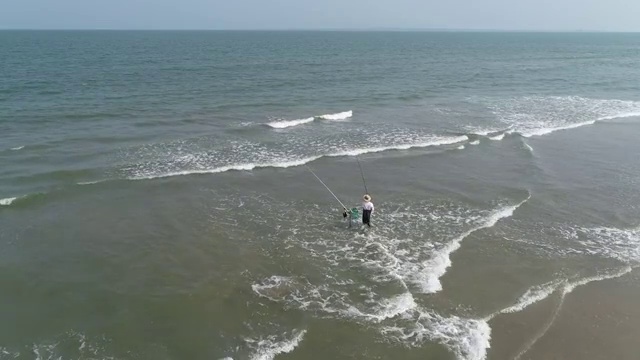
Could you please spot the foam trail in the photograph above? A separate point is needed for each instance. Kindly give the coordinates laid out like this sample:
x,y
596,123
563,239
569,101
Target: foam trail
x,y
239,167
567,289
91,182
467,339
619,116
7,201
545,131
434,142
268,348
438,265
289,123
390,308
528,147
531,296
497,137
474,142
338,116
303,161
17,148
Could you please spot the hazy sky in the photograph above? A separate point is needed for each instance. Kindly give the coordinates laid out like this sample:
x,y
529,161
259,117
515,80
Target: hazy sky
x,y
609,15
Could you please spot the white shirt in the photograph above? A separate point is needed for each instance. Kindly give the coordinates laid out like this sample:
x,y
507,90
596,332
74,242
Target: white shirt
x,y
367,205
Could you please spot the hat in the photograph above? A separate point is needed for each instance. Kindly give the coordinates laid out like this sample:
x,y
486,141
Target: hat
x,y
367,198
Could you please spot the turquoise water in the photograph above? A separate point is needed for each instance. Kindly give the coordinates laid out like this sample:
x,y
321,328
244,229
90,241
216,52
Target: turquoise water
x,y
156,202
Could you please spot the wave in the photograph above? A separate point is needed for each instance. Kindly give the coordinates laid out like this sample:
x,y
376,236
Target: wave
x,y
299,162
282,124
461,147
239,167
538,116
7,201
267,348
549,130
540,292
497,137
17,148
468,339
422,144
441,261
338,116
620,116
289,123
474,142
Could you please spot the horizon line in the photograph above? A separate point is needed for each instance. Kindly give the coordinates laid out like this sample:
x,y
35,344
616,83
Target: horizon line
x,y
373,29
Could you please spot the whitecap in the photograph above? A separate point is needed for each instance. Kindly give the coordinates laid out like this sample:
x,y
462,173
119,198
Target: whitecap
x,y
437,266
266,348
338,116
289,123
7,201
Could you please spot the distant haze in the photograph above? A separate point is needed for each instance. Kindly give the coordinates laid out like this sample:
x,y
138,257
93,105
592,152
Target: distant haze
x,y
544,15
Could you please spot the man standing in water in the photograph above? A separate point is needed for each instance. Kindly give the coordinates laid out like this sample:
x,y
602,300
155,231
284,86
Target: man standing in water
x,y
367,210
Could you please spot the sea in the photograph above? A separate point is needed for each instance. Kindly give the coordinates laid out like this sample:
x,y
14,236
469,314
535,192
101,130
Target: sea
x,y
159,198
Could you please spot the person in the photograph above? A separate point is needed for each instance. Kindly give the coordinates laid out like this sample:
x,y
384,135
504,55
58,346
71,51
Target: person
x,y
367,210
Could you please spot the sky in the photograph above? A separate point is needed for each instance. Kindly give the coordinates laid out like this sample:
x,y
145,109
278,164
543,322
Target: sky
x,y
541,15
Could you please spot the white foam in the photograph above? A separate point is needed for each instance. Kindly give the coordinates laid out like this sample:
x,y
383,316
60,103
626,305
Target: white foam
x,y
619,116
528,147
438,141
91,182
566,289
269,347
338,116
389,308
474,142
437,266
461,147
533,295
538,116
570,286
435,141
540,292
289,123
7,201
239,167
619,244
468,339
497,137
549,130
17,148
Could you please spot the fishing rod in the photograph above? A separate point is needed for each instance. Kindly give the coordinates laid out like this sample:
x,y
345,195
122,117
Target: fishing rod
x,y
325,185
364,182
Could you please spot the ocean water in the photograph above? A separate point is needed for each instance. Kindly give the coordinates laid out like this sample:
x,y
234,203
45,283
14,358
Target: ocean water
x,y
156,200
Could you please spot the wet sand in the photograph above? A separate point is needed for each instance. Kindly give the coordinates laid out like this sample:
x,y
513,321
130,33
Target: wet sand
x,y
599,320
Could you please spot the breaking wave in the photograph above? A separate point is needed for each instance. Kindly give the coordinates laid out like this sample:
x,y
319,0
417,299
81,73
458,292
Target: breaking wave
x,y
542,115
289,123
281,124
267,348
433,141
338,116
7,201
437,266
